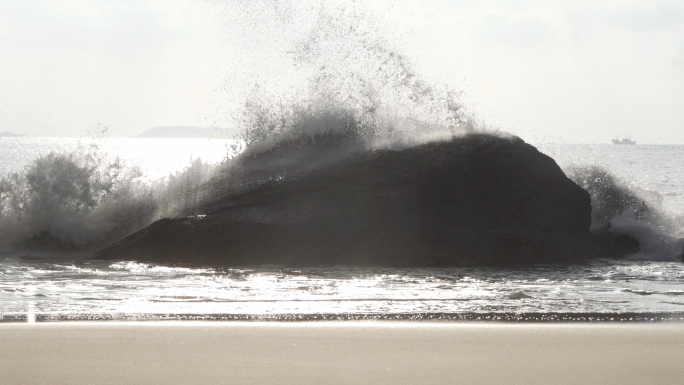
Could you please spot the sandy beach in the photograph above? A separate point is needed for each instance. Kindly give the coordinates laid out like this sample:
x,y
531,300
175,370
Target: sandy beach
x,y
340,353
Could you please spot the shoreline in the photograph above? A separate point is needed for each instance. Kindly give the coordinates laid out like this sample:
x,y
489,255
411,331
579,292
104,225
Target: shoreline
x,y
467,318
340,352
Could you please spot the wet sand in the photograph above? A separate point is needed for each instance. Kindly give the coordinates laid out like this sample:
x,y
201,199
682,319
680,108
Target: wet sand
x,y
340,353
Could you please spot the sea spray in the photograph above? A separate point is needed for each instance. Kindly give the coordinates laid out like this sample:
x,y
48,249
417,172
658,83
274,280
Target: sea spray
x,y
334,84
83,200
631,211
338,61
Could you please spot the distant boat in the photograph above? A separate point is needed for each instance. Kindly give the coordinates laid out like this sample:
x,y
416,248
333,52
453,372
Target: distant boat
x,y
623,141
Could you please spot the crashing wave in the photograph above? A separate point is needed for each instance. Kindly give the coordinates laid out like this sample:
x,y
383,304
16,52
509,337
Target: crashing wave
x,y
628,211
81,201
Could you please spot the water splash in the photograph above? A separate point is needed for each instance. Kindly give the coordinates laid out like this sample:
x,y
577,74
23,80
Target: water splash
x,y
631,211
337,69
66,202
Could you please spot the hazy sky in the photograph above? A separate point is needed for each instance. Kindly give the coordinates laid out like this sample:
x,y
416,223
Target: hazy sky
x,y
580,71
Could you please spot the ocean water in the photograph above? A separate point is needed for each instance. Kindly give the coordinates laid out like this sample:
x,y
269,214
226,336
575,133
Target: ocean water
x,y
65,285
649,168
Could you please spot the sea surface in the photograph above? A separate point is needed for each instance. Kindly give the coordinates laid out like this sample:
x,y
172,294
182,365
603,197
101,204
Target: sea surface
x,y
67,286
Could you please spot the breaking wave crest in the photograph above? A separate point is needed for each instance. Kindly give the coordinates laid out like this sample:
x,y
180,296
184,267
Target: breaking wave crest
x,y
66,202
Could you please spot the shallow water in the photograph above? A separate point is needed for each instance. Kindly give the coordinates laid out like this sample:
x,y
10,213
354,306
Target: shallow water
x,y
90,288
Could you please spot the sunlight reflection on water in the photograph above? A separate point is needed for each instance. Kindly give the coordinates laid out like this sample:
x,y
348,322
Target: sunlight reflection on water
x,y
43,287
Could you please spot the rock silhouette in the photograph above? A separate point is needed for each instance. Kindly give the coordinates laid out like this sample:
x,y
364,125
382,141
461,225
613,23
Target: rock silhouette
x,y
472,200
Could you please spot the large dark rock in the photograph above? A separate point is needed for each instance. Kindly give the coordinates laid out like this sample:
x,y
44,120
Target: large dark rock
x,y
473,200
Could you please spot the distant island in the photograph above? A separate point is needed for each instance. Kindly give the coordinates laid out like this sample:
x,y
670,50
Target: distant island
x,y
179,132
7,134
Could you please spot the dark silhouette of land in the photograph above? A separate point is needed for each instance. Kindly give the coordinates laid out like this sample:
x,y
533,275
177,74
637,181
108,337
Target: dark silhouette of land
x,y
7,134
